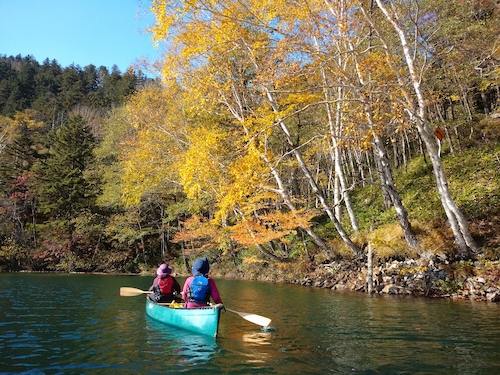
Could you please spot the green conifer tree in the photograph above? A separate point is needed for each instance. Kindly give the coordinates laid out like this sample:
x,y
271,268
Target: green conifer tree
x,y
63,189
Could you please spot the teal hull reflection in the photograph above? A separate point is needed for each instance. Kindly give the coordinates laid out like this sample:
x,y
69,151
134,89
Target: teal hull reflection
x,y
204,320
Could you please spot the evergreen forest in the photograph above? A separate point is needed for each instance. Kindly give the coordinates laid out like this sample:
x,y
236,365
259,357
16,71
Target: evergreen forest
x,y
281,136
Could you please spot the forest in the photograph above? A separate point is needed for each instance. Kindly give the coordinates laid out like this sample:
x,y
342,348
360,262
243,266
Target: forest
x,y
281,135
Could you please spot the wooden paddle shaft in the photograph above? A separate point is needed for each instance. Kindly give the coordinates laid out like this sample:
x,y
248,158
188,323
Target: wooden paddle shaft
x,y
130,292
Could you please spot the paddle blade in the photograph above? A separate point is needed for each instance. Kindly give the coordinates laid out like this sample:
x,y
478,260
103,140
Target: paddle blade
x,y
126,291
256,319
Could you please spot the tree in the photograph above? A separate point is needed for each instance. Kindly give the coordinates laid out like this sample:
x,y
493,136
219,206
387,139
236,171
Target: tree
x,y
72,87
396,37
47,88
64,191
217,36
141,146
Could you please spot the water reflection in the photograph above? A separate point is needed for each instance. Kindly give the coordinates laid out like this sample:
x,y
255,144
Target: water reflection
x,y
257,338
183,346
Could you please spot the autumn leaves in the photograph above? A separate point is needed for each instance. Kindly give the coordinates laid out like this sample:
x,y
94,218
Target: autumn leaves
x,y
261,104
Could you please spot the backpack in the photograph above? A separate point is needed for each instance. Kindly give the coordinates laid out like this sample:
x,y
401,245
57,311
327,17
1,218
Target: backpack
x,y
199,290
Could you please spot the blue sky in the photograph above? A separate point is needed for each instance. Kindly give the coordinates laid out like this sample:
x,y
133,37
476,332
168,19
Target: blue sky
x,y
80,32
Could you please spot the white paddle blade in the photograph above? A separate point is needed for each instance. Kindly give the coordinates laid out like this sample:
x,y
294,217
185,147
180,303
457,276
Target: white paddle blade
x,y
126,291
256,319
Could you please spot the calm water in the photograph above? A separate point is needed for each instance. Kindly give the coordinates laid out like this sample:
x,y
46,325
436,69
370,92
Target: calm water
x,y
78,324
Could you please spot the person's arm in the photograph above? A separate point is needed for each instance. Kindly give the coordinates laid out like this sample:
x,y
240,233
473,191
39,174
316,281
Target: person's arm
x,y
155,283
186,287
214,292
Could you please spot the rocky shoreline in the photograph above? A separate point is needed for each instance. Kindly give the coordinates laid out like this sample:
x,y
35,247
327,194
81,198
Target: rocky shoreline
x,y
478,281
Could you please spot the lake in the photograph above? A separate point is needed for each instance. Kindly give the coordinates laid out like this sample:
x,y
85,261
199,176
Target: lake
x,y
78,324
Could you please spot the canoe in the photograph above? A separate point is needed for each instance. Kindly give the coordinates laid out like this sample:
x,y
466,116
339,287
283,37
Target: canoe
x,y
204,320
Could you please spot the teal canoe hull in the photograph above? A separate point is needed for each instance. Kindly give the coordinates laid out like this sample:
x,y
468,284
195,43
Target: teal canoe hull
x,y
204,320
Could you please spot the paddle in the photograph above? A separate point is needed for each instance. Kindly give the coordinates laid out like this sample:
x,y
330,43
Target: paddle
x,y
256,319
126,291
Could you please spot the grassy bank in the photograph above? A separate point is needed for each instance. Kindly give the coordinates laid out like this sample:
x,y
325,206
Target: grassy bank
x,y
474,181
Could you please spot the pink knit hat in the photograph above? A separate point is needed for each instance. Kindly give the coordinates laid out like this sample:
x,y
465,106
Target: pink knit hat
x,y
164,270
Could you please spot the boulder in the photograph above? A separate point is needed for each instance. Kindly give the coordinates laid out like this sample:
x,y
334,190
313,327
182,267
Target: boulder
x,y
391,289
493,297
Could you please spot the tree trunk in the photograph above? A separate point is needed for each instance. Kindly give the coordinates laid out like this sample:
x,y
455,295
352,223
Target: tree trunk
x,y
336,193
335,127
369,165
369,270
385,193
390,188
452,151
343,186
403,151
465,243
359,163
282,190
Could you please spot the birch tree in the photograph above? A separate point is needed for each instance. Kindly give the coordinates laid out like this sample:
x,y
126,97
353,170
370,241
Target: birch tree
x,y
401,40
219,23
370,77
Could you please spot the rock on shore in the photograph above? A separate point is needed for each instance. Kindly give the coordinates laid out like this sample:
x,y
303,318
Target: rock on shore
x,y
478,281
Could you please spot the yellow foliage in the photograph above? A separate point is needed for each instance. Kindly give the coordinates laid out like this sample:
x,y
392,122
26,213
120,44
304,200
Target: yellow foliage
x,y
152,148
147,165
245,187
8,131
166,16
375,67
256,63
202,169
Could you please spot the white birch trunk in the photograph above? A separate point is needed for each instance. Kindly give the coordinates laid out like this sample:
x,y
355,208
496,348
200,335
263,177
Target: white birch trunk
x,y
465,242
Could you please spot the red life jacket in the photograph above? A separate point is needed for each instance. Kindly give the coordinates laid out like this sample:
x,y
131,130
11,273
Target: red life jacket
x,y
166,285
